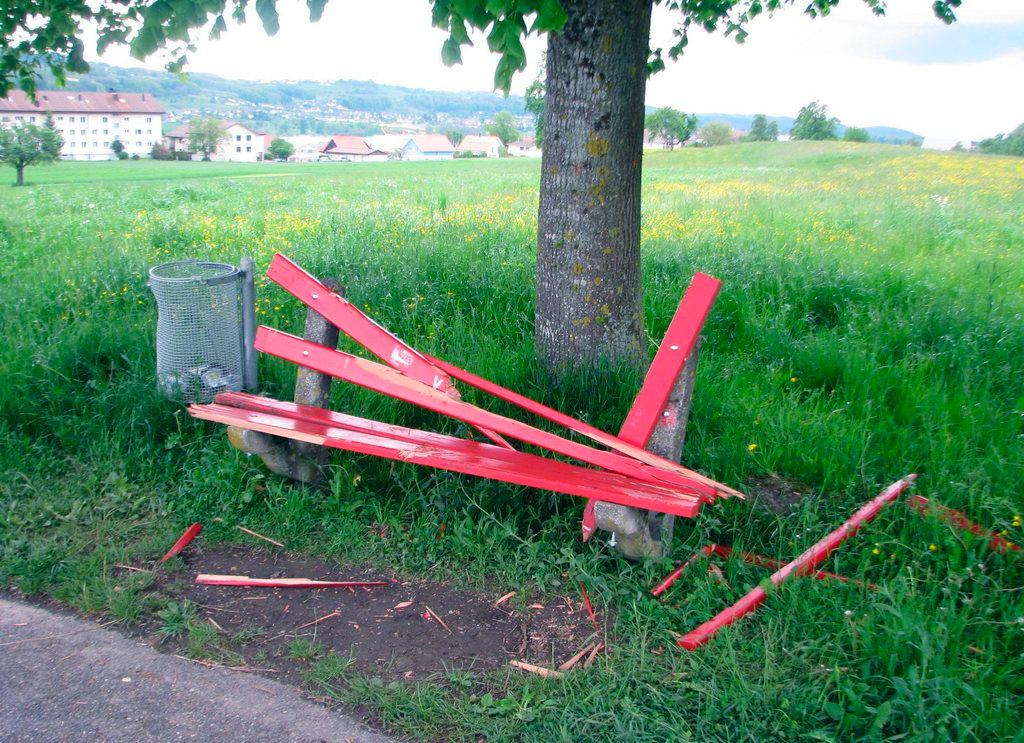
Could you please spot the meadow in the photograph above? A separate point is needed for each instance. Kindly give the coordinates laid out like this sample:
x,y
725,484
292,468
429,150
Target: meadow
x,y
871,324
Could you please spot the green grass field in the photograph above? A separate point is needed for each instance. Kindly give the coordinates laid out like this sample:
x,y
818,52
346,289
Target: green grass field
x,y
870,325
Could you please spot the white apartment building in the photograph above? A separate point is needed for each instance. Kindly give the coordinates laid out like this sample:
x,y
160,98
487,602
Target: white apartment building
x,y
89,121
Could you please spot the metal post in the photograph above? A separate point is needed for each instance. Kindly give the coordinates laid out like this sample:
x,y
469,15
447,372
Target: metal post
x,y
249,358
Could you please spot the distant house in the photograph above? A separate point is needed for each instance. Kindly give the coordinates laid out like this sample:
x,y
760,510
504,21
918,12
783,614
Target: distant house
x,y
393,144
350,148
89,122
654,141
308,147
428,147
243,144
480,145
525,147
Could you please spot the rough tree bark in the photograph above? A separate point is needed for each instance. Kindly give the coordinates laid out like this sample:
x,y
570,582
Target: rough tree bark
x,y
589,295
20,179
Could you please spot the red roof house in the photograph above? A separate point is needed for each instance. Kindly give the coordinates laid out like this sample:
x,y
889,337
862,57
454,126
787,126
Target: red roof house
x,y
350,148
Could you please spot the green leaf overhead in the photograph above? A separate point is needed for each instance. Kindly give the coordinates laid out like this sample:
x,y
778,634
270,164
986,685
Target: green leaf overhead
x,y
148,26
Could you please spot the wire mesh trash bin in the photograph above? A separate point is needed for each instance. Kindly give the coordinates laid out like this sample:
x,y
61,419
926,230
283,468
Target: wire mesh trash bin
x,y
201,330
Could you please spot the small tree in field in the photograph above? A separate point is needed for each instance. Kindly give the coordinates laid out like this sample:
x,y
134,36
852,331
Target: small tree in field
x,y
503,126
671,125
856,134
762,130
813,122
206,135
715,134
28,144
280,149
117,147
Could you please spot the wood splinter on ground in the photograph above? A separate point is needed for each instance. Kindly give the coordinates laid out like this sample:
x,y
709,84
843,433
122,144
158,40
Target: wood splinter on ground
x,y
567,665
539,670
132,569
593,655
589,607
209,579
317,621
504,598
439,620
186,537
260,536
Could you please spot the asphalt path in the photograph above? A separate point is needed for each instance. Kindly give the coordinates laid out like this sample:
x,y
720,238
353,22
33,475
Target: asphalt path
x,y
66,679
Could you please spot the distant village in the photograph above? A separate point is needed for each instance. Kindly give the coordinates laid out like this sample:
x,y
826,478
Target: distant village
x,y
111,125
90,124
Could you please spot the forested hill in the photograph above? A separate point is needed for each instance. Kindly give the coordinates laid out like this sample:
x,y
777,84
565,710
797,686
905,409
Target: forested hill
x,y
340,106
291,107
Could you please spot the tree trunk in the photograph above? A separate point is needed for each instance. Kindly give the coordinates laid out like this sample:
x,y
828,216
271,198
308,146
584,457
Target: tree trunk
x,y
20,180
589,294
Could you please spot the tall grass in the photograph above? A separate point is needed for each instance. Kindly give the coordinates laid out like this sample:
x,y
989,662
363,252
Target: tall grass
x,y
870,325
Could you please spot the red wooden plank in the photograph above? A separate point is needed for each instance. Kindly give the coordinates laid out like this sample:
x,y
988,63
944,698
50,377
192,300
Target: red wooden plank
x,y
390,382
364,330
676,347
212,579
183,541
706,551
463,455
958,519
763,561
802,565
578,426
750,558
663,374
348,318
353,423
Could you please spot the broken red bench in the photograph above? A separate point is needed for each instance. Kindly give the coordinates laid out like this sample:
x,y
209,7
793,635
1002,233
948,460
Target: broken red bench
x,y
622,472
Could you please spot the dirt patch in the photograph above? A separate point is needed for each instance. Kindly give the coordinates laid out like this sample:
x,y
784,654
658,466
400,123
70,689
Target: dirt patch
x,y
387,630
773,493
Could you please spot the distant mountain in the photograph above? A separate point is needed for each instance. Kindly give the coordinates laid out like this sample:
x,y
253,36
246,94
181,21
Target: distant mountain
x,y
343,106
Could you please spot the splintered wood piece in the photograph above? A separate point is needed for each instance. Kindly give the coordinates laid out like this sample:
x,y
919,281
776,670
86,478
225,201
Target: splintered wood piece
x,y
210,579
593,655
187,536
132,569
504,598
567,665
522,665
260,536
705,551
439,620
589,607
317,621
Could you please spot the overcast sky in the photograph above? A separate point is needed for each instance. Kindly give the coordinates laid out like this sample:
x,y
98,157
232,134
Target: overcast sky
x,y
958,82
